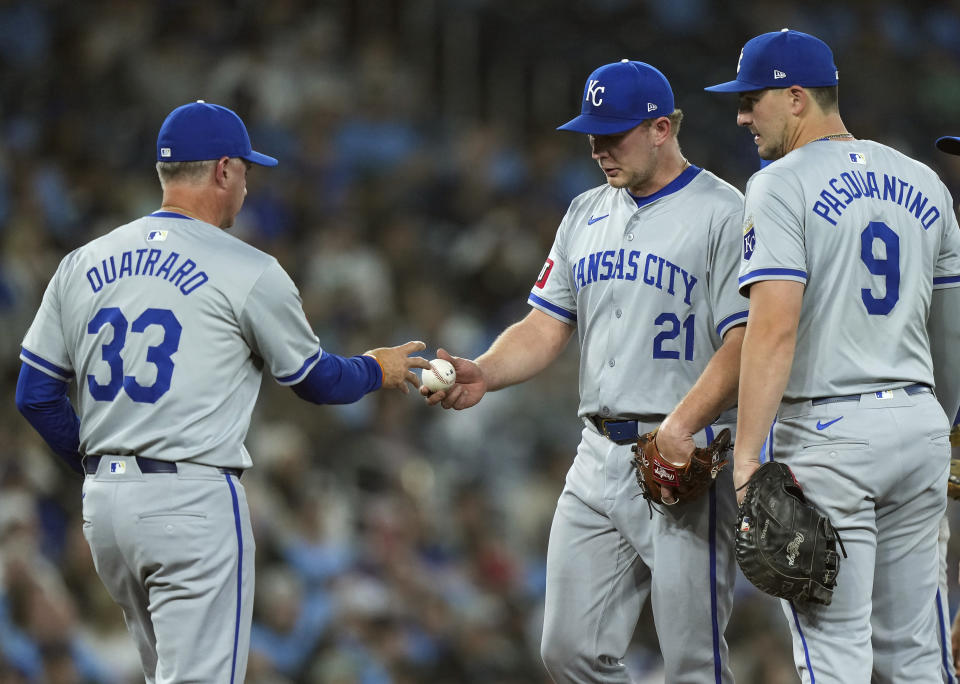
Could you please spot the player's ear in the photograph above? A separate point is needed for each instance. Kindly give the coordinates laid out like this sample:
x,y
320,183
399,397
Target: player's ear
x,y
661,128
799,99
221,172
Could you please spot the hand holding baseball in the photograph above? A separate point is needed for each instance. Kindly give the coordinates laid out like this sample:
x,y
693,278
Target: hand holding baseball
x,y
440,376
466,387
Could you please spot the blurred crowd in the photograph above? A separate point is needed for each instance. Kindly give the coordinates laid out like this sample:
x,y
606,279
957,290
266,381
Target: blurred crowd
x,y
420,185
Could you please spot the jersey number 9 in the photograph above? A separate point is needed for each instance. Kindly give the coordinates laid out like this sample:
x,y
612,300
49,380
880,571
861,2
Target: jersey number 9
x,y
888,267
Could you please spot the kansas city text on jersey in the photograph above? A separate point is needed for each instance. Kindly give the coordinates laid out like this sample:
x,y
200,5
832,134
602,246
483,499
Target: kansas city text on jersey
x,y
148,262
853,185
622,265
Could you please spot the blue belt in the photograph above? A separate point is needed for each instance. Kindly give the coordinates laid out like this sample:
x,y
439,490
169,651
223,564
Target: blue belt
x,y
620,430
909,389
149,465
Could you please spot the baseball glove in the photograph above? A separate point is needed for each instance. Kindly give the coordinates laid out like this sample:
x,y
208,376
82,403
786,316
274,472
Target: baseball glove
x,y
953,483
784,545
685,483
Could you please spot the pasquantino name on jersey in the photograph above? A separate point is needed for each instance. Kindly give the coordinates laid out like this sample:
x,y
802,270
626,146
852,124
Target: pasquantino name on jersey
x,y
849,186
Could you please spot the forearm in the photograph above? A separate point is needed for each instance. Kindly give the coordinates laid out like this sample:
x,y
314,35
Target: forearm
x,y
715,390
523,350
764,371
338,380
44,403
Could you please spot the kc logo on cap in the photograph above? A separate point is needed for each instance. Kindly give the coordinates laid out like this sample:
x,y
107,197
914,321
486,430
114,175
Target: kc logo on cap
x,y
619,96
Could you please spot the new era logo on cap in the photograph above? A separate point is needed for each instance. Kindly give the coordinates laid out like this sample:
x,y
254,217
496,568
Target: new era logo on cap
x,y
780,59
619,96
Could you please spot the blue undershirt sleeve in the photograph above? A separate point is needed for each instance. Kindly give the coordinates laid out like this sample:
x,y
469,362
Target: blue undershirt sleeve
x,y
43,401
338,380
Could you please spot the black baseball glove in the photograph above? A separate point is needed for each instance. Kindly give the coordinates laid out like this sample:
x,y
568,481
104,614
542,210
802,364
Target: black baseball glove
x,y
784,545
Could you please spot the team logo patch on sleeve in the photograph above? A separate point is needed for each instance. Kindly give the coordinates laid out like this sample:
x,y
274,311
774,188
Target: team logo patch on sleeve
x,y
749,239
544,273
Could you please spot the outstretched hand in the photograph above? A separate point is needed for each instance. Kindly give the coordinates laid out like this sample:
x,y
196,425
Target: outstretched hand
x,y
396,363
468,389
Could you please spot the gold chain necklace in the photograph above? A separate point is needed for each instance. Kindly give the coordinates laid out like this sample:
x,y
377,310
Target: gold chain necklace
x,y
832,136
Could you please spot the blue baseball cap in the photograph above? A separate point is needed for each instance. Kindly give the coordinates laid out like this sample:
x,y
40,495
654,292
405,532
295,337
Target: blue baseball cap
x,y
782,59
949,144
619,96
200,131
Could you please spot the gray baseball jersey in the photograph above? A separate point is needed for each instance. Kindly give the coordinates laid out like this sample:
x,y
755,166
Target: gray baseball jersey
x,y
167,324
870,233
650,284
143,313
651,303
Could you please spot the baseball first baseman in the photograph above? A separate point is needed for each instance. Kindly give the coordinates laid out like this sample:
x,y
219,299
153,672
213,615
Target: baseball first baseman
x,y
844,243
643,268
167,324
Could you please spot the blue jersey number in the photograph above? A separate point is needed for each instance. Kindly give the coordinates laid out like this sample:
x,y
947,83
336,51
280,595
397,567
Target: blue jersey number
x,y
159,356
889,267
672,332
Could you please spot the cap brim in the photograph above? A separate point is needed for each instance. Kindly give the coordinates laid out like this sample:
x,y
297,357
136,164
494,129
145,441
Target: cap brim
x,y
734,87
261,159
949,144
600,125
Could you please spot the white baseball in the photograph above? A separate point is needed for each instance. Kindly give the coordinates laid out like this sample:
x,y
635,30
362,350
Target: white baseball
x,y
440,375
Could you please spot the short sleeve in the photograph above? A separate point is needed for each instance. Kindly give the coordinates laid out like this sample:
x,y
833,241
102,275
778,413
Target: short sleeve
x,y
773,240
947,270
553,292
44,347
273,323
728,305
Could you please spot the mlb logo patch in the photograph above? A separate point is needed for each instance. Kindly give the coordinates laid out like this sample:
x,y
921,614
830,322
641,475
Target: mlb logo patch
x,y
165,152
156,236
118,467
857,158
885,394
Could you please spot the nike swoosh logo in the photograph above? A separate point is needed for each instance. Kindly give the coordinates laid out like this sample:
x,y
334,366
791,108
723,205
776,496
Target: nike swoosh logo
x,y
592,220
823,426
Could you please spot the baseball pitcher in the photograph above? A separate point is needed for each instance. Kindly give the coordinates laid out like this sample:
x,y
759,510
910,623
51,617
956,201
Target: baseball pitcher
x,y
643,269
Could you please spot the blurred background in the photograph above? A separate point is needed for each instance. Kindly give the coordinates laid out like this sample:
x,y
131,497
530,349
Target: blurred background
x,y
420,185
